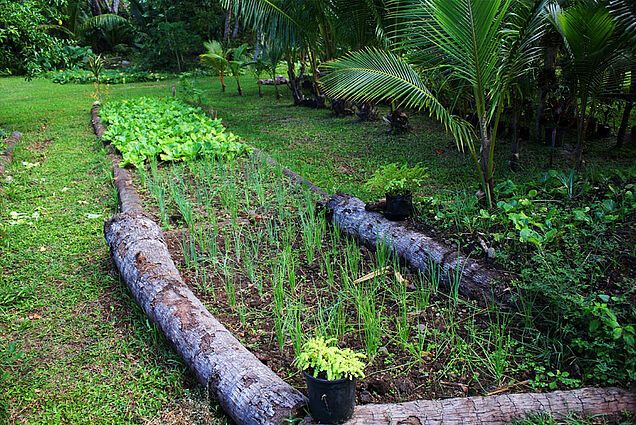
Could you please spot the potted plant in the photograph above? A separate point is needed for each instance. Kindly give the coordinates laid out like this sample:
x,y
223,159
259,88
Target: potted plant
x,y
398,184
330,373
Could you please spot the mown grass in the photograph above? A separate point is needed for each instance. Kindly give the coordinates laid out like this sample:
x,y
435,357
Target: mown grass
x,y
74,346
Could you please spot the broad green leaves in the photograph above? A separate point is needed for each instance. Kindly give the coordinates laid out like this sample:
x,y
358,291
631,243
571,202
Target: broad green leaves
x,y
144,128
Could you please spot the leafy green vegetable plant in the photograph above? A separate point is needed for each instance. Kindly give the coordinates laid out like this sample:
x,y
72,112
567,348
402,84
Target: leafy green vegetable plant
x,y
107,76
318,357
146,127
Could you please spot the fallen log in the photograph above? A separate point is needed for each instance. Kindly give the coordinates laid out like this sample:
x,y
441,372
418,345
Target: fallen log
x,y
418,250
7,156
497,409
122,179
248,391
291,175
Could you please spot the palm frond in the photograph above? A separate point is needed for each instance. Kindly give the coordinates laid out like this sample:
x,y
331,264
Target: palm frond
x,y
588,32
215,56
625,13
106,21
270,15
375,75
60,29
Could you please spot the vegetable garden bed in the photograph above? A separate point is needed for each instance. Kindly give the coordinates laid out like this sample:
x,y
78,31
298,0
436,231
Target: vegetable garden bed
x,y
257,251
263,259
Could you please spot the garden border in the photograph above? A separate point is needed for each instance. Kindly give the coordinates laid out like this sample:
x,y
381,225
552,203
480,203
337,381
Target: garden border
x,y
7,156
250,392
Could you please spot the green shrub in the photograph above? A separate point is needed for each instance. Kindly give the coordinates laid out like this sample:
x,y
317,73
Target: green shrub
x,y
566,236
107,76
26,47
396,180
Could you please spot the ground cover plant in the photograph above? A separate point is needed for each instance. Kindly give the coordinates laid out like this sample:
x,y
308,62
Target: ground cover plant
x,y
146,128
108,76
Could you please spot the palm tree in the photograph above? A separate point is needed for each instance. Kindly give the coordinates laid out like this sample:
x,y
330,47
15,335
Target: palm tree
x,y
78,20
271,56
593,48
467,42
238,61
216,58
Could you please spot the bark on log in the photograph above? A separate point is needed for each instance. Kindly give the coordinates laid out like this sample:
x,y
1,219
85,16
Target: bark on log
x,y
7,156
294,177
249,391
128,196
417,249
498,409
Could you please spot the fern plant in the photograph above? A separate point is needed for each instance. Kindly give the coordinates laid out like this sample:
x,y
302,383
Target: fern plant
x,y
320,356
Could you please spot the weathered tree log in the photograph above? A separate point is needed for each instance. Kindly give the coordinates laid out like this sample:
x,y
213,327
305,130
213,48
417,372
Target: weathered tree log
x,y
7,156
294,177
498,409
248,391
417,249
128,196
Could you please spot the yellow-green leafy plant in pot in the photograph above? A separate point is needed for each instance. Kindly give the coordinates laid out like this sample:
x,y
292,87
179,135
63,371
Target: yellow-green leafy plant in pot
x,y
330,373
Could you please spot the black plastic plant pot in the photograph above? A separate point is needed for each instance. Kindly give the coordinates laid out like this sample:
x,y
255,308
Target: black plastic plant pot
x,y
330,402
398,207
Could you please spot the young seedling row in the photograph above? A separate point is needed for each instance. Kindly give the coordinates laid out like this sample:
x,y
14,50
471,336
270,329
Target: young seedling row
x,y
265,260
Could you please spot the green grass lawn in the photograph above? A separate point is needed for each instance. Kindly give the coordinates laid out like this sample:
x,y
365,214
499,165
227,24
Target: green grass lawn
x,y
84,351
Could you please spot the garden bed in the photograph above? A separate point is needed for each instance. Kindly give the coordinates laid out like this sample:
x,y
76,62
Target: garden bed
x,y
265,261
257,251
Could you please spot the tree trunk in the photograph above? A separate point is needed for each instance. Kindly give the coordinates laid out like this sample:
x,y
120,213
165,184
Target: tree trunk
x,y
620,137
7,156
248,391
485,163
257,49
222,82
320,98
514,157
238,86
418,250
622,130
114,8
236,29
96,10
580,133
228,18
496,410
260,91
293,81
548,64
245,388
